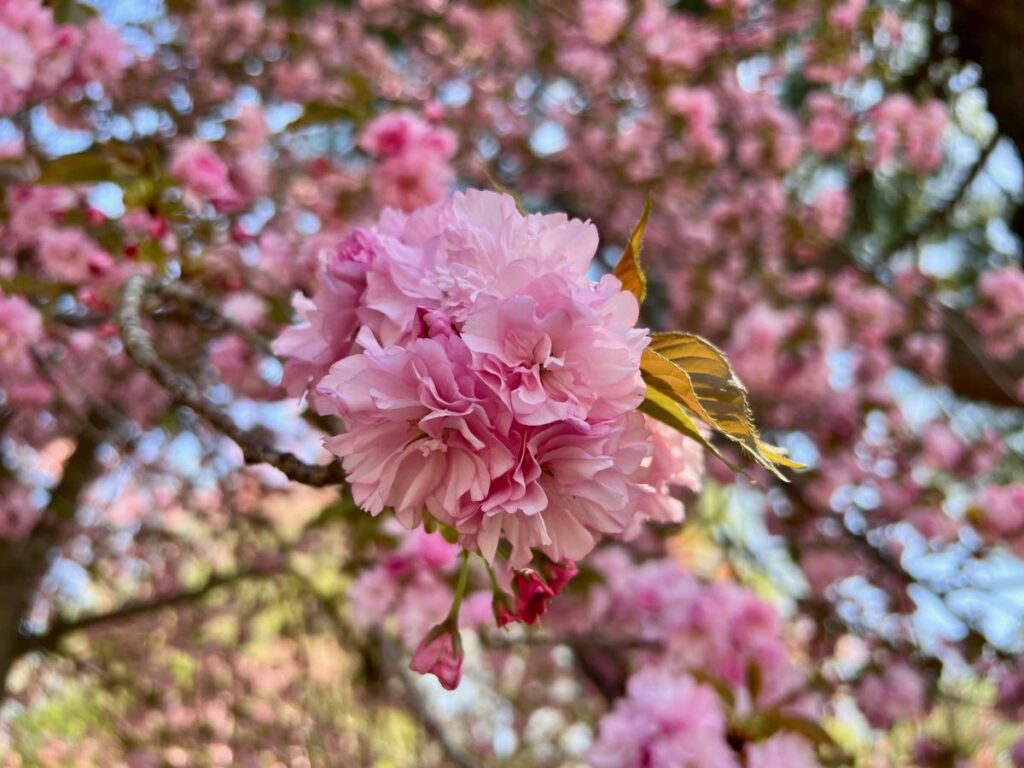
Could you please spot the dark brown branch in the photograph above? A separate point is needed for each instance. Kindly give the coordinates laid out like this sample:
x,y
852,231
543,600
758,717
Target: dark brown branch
x,y
61,629
991,33
139,346
972,373
197,301
23,564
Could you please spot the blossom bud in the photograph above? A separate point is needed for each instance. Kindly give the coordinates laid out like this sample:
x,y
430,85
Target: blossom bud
x,y
532,595
440,654
560,574
504,611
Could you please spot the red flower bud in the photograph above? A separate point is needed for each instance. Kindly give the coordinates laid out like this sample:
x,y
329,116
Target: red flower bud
x,y
504,611
532,595
560,574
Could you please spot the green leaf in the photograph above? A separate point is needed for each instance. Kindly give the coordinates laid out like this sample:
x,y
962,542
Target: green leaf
x,y
318,112
80,168
696,374
721,687
72,12
810,730
628,270
755,679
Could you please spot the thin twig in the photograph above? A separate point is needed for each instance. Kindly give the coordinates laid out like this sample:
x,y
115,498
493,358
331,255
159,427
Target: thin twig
x,y
197,300
496,640
139,346
935,216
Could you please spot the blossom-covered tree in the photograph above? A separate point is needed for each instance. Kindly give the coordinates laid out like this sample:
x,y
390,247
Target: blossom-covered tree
x,y
344,341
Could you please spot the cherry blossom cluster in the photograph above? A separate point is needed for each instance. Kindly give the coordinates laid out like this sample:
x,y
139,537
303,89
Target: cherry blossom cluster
x,y
485,382
698,641
412,159
913,132
42,58
999,315
230,184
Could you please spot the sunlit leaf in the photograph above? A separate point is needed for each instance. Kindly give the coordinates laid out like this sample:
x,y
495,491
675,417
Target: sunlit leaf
x,y
663,408
628,270
661,373
778,456
694,373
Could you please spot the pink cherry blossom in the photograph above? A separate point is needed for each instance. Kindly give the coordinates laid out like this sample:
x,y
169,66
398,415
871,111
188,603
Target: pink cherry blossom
x,y
829,127
419,436
602,19
902,126
71,256
553,355
1001,509
413,168
202,172
18,60
942,450
784,750
665,721
411,180
532,595
491,385
101,58
1000,316
895,694
330,318
675,462
568,485
21,327
560,574
398,133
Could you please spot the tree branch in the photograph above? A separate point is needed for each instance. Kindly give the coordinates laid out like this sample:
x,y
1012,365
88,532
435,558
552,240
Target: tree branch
x,y
989,33
937,215
23,564
61,629
139,346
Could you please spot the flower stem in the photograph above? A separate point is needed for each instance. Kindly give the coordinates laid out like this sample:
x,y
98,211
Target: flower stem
x,y
460,587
